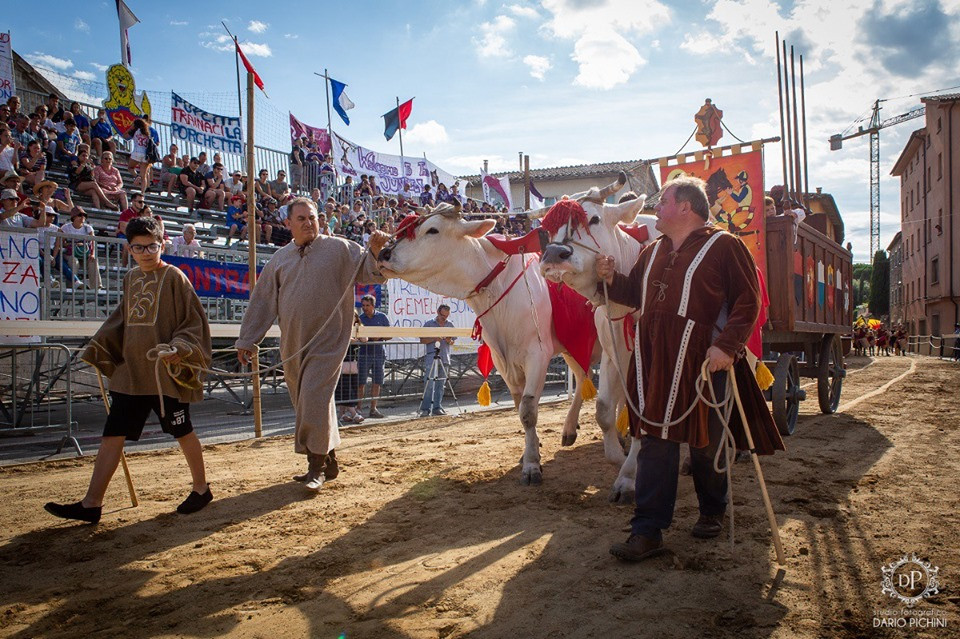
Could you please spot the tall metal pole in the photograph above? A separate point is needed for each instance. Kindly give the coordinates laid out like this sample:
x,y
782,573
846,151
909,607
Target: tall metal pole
x,y
403,167
789,139
796,132
236,59
252,248
803,118
526,182
783,136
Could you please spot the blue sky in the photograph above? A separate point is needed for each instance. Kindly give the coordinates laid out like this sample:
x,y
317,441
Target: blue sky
x,y
565,81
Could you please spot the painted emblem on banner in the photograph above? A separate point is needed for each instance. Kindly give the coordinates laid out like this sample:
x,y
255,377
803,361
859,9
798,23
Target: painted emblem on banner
x,y
709,130
123,105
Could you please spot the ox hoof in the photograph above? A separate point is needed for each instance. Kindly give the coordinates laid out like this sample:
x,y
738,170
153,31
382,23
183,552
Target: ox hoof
x,y
531,477
622,494
568,439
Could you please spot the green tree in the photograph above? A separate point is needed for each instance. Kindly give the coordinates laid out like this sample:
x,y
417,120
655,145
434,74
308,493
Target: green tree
x,y
880,285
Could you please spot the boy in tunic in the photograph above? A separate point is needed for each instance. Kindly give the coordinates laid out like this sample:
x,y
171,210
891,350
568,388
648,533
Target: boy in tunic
x,y
159,306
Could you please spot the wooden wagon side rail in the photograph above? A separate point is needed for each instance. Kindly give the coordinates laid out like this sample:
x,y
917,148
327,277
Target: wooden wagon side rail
x,y
808,279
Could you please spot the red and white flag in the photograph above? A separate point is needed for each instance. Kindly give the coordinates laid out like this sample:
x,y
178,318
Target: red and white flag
x,y
127,20
246,63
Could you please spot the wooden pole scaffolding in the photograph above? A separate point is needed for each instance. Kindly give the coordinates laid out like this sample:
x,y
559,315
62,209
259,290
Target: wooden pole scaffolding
x,y
798,183
789,186
803,120
252,229
403,163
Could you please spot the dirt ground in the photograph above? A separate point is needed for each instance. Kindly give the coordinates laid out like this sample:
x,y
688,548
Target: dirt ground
x,y
427,533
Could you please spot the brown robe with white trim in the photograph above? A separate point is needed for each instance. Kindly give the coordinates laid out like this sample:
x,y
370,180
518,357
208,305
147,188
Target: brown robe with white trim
x,y
725,279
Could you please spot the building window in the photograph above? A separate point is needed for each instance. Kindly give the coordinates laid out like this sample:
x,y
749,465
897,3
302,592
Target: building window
x,y
939,126
929,170
939,166
935,325
935,270
939,221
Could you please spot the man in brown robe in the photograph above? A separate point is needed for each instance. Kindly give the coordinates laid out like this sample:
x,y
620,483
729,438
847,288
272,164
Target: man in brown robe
x,y
300,287
697,293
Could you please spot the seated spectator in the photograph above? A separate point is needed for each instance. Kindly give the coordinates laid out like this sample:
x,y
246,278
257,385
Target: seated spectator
x,y
203,169
83,122
357,208
13,103
140,155
20,130
374,189
442,194
769,207
68,141
46,230
101,135
261,186
9,150
426,198
12,211
275,229
190,182
322,221
137,205
368,229
279,187
80,253
52,196
169,169
353,231
11,180
107,176
81,179
33,164
236,219
186,245
214,190
54,111
235,184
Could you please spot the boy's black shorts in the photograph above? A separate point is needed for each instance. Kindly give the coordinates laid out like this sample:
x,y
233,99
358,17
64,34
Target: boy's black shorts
x,y
129,413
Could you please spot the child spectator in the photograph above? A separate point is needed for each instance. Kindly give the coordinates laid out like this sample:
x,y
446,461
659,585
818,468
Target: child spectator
x,y
236,219
83,122
81,252
140,155
33,164
68,141
159,306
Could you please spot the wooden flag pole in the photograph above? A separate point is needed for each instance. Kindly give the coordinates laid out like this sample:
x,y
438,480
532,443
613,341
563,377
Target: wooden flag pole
x,y
403,167
252,229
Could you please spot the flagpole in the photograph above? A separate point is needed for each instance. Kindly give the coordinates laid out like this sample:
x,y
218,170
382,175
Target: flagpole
x,y
236,58
252,227
403,168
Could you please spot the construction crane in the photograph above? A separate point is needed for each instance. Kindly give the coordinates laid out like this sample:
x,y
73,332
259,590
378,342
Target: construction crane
x,y
873,130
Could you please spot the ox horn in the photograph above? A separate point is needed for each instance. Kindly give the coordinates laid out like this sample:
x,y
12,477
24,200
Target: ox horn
x,y
605,192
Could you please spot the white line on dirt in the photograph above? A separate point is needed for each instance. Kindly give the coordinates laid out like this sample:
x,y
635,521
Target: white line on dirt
x,y
847,406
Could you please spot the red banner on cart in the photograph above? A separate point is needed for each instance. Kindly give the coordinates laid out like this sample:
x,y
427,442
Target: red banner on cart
x,y
735,193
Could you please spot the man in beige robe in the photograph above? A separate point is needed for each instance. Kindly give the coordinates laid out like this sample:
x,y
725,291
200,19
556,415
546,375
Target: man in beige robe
x,y
300,286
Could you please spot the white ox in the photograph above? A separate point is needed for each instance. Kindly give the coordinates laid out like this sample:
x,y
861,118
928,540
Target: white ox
x,y
450,256
569,258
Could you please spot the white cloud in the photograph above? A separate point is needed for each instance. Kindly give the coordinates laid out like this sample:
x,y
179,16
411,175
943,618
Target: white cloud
x,y
46,60
538,64
99,67
80,25
84,75
522,11
492,42
291,36
606,59
178,23
429,133
600,31
257,27
256,49
223,42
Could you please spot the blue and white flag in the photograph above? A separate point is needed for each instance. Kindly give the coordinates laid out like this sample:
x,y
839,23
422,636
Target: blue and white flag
x,y
341,103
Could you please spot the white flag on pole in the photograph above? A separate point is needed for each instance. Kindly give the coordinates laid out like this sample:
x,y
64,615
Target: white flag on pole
x,y
127,20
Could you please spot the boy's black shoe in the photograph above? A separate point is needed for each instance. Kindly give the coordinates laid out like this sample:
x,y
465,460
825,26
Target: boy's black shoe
x,y
331,469
195,501
74,511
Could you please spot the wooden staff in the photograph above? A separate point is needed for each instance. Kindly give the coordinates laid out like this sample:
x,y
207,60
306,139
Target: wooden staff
x,y
771,517
123,458
253,228
783,134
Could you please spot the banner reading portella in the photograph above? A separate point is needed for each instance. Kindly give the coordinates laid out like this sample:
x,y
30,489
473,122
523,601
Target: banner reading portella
x,y
211,131
735,192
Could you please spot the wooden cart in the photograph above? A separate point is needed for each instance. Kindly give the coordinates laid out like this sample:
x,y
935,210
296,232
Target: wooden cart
x,y
811,311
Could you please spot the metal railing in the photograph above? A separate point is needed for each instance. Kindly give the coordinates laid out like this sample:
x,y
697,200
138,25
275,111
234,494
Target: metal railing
x,y
943,346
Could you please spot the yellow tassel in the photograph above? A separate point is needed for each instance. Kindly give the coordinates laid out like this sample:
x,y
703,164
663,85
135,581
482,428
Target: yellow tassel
x,y
587,390
623,422
483,395
764,376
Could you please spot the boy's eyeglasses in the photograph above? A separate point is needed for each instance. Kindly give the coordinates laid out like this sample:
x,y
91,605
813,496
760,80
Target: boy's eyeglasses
x,y
151,249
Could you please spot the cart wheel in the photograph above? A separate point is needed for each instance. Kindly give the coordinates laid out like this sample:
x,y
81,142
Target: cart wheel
x,y
786,394
831,374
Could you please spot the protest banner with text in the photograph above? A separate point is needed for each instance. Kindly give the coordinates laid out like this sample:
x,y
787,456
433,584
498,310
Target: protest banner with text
x,y
208,130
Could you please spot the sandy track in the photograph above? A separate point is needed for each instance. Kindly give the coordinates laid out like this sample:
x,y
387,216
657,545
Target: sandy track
x,y
427,533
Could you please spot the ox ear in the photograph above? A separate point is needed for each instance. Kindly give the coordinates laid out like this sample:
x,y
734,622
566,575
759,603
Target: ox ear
x,y
626,211
478,228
